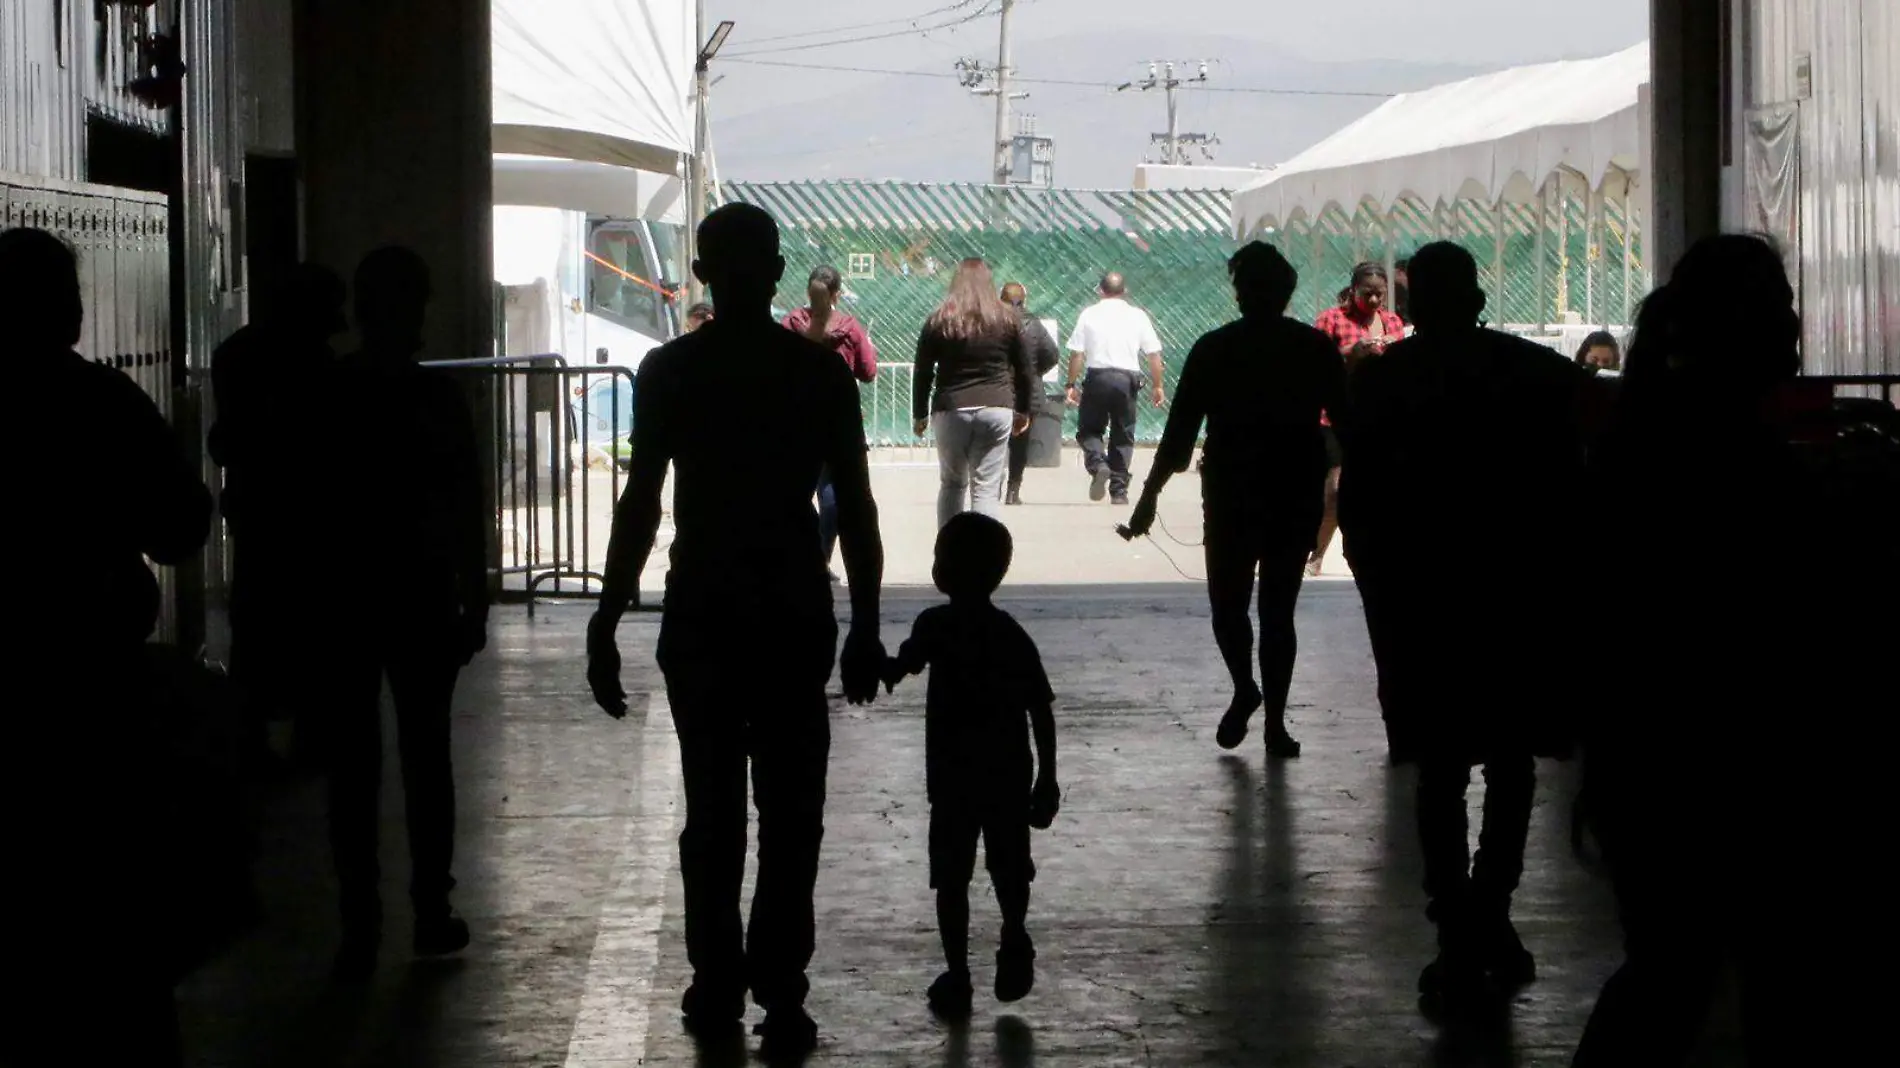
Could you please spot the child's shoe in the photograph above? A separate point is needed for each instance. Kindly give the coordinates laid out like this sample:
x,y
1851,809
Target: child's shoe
x,y
952,996
1015,969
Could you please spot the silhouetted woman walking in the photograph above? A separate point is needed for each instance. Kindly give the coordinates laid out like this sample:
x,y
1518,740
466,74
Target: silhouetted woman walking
x,y
1259,384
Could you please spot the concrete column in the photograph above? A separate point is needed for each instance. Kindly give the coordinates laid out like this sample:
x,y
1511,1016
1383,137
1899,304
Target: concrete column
x,y
1688,49
394,110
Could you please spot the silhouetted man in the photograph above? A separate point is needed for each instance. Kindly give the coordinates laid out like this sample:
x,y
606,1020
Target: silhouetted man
x,y
1471,656
748,635
1737,651
271,384
1046,354
417,480
85,796
1259,384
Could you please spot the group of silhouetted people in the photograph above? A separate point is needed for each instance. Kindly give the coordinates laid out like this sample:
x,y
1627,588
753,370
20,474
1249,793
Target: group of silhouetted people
x,y
337,467
338,470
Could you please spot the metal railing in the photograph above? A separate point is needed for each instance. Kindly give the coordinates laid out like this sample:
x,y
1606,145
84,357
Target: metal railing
x,y
560,442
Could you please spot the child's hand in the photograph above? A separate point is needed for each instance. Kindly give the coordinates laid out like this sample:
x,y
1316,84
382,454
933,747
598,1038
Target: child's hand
x,y
1044,801
893,674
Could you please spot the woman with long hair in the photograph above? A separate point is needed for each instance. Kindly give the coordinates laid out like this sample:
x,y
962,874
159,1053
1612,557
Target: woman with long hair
x,y
975,386
1361,325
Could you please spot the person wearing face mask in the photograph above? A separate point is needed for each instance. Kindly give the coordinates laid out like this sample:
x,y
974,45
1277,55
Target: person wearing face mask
x,y
1361,325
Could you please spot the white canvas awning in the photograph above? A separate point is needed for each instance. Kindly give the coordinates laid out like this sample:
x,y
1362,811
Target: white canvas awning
x,y
1490,138
595,188
603,81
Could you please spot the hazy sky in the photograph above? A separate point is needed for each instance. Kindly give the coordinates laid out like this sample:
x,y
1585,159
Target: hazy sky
x,y
850,111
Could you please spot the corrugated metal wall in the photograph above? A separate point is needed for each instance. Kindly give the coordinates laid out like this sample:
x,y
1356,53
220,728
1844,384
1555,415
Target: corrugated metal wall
x,y
267,89
1838,62
45,70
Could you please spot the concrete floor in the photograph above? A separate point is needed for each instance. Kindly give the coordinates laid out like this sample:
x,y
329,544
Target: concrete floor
x,y
1193,908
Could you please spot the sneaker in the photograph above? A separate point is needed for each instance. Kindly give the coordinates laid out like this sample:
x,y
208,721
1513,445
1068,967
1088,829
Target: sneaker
x,y
1503,955
1233,724
1282,746
1098,485
1015,970
1450,986
787,1033
1120,500
441,935
952,996
707,1013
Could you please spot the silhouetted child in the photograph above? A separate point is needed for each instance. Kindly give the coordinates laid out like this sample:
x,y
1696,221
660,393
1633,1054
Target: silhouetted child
x,y
986,680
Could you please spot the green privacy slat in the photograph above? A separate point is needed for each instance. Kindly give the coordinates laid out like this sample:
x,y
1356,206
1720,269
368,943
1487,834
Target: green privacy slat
x,y
1058,242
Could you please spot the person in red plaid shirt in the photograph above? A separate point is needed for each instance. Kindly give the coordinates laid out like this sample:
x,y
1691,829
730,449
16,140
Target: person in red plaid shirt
x,y
1361,325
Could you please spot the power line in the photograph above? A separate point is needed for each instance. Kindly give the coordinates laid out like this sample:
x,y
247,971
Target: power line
x,y
854,26
913,31
1260,91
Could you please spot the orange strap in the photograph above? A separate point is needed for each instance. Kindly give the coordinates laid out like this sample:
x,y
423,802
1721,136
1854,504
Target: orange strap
x,y
634,278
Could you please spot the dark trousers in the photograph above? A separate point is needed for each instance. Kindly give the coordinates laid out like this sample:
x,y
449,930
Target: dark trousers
x,y
1109,406
1706,880
1018,459
774,722
1232,558
1456,883
423,688
827,514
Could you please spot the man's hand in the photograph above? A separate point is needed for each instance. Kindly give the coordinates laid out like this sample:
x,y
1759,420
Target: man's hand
x,y
861,666
474,636
1021,426
603,666
1044,802
1160,396
1143,519
1074,397
920,427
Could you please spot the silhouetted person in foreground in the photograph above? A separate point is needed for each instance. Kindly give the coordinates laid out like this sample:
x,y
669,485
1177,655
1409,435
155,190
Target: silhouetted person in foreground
x,y
1469,661
748,635
83,833
414,476
987,693
1260,384
1721,855
272,384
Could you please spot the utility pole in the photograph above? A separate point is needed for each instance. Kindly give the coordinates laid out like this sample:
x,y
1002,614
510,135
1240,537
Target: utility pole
x,y
1002,97
986,81
1174,143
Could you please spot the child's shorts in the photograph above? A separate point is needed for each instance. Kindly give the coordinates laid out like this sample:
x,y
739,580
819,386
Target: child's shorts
x,y
1004,829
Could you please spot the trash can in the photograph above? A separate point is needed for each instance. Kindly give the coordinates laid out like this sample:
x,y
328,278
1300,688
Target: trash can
x,y
1045,431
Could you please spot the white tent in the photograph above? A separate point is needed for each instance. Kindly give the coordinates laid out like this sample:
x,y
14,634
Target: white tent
x,y
595,188
601,81
1492,138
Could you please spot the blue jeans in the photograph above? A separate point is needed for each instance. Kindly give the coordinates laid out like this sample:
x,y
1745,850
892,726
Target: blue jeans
x,y
827,514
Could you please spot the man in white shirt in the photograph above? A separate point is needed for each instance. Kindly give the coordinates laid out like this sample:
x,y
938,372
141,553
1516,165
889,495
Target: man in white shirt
x,y
1106,351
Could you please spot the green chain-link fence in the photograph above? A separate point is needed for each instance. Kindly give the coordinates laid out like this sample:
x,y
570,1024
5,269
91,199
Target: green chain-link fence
x,y
898,244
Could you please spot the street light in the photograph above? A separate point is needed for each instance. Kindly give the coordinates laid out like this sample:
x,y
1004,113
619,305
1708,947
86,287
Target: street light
x,y
714,43
698,193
